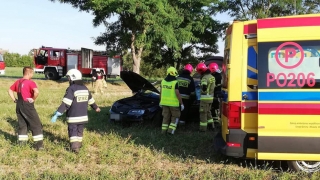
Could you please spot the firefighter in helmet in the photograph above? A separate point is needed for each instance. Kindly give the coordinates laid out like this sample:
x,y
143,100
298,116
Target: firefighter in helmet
x,y
207,84
75,102
170,100
186,88
98,78
214,67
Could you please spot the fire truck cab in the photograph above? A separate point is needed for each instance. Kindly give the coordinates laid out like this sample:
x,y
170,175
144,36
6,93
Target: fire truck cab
x,y
55,62
271,91
2,65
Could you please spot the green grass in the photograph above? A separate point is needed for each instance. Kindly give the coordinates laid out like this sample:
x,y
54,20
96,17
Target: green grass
x,y
113,152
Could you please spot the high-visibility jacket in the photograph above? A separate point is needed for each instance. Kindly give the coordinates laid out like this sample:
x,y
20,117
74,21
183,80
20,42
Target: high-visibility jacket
x,y
207,84
168,94
75,102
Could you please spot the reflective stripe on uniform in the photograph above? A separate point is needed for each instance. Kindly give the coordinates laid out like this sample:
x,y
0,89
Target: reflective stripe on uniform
x,y
22,137
210,121
79,139
77,119
203,124
81,93
74,139
67,101
38,137
173,126
185,96
91,101
165,126
206,97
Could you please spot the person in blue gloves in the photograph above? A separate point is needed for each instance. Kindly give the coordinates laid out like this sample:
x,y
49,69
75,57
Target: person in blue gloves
x,y
75,102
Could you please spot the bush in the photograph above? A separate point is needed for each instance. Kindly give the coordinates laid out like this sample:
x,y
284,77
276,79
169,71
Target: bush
x,y
16,60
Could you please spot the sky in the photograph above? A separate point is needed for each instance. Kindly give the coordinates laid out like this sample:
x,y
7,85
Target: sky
x,y
25,25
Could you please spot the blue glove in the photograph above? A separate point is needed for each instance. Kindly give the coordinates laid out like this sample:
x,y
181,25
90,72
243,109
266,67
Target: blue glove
x,y
55,116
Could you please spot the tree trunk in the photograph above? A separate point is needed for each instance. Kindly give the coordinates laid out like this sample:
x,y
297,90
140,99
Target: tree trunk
x,y
136,56
178,63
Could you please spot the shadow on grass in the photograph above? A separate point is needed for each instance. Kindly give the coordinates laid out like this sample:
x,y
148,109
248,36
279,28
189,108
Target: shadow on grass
x,y
186,144
46,134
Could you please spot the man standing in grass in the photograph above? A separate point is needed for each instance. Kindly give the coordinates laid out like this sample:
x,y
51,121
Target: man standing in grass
x,y
75,102
169,101
28,117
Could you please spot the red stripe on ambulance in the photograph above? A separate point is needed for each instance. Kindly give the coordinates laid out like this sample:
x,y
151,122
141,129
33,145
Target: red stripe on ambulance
x,y
250,29
288,22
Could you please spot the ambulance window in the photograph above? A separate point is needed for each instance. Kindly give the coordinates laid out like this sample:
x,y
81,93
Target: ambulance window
x,y
1,58
290,65
226,61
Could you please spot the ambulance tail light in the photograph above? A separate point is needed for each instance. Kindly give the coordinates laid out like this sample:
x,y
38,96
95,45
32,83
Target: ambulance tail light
x,y
234,115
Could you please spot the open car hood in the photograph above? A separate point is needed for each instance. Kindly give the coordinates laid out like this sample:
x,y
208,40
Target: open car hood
x,y
136,82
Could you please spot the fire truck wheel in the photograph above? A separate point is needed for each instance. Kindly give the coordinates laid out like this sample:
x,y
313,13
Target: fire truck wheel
x,y
51,74
304,166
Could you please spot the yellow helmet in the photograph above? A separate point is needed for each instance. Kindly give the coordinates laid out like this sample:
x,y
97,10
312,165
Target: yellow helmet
x,y
172,71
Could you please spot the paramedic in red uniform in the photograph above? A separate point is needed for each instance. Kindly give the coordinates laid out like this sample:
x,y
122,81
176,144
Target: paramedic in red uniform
x,y
28,117
75,102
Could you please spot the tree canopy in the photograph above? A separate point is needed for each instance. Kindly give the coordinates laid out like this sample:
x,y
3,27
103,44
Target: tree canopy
x,y
153,24
255,9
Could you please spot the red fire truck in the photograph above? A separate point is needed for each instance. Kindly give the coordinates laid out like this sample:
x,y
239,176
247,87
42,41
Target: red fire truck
x,y
2,65
55,62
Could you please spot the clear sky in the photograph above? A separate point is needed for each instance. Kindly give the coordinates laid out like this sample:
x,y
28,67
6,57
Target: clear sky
x,y
25,25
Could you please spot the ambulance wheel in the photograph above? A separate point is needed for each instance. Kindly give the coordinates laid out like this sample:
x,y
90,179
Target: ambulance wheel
x,y
305,166
51,74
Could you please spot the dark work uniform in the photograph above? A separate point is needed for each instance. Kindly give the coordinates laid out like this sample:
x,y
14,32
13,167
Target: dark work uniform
x,y
27,114
217,91
186,88
75,102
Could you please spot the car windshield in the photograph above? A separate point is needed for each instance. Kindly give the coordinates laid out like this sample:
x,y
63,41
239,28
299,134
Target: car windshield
x,y
150,94
1,58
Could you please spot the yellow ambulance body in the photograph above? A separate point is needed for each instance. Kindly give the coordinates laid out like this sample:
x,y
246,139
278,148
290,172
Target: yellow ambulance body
x,y
271,91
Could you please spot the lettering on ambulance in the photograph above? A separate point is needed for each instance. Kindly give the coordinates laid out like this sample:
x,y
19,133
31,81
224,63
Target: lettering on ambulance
x,y
292,65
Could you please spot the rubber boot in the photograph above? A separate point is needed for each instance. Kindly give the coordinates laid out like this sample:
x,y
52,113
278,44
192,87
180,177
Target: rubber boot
x,y
75,147
38,145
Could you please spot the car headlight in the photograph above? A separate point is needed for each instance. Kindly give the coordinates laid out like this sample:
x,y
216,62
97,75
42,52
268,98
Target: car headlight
x,y
136,112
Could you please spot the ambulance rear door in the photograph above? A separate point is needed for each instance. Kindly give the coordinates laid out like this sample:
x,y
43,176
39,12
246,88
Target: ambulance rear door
x,y
289,88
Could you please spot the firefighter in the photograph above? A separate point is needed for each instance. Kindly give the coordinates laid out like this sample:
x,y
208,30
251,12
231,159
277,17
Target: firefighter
x,y
75,102
98,78
169,101
207,84
214,67
186,88
28,117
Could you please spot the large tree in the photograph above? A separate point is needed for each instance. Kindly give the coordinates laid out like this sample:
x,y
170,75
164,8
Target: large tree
x,y
254,9
138,23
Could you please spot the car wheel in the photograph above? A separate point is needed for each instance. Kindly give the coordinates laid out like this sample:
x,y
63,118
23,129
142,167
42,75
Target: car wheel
x,y
305,166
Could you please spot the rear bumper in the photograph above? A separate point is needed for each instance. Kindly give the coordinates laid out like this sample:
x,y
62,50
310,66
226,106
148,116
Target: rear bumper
x,y
235,137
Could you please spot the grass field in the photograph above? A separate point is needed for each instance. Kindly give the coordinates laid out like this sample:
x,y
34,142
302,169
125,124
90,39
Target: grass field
x,y
113,152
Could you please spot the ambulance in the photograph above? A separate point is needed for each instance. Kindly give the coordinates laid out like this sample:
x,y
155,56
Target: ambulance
x,y
271,91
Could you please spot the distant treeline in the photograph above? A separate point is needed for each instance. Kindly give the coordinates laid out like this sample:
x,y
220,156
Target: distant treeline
x,y
17,60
